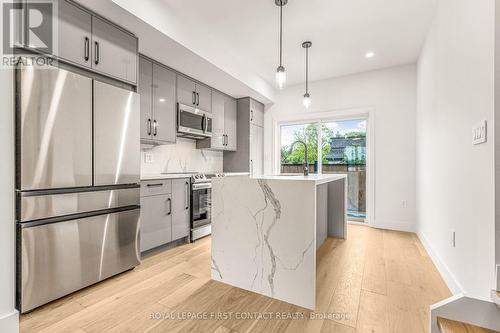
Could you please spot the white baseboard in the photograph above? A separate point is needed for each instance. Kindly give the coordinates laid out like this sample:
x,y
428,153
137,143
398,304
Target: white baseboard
x,y
393,225
443,269
9,323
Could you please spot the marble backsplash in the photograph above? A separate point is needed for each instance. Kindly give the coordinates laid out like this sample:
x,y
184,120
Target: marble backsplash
x,y
180,157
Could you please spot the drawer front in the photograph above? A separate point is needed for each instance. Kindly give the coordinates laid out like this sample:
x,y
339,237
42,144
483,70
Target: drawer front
x,y
155,187
47,206
60,258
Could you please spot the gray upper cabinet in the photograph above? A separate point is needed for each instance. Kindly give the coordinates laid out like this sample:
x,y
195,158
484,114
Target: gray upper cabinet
x,y
114,51
145,89
180,208
164,85
74,34
204,97
186,90
217,141
157,86
230,124
249,157
256,113
193,94
223,125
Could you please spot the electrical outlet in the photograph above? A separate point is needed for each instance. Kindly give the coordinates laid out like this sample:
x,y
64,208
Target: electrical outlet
x,y
479,133
453,239
148,158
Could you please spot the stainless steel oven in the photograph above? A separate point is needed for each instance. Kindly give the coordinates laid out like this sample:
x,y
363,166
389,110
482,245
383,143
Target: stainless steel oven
x,y
193,122
201,210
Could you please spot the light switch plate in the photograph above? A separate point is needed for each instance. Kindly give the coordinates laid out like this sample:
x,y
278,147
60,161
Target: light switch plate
x,y
479,133
148,158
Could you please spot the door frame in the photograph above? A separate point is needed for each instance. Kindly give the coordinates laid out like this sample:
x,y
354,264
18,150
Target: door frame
x,y
367,113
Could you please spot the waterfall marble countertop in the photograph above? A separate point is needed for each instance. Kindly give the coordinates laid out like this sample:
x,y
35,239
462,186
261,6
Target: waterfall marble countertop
x,y
318,179
266,230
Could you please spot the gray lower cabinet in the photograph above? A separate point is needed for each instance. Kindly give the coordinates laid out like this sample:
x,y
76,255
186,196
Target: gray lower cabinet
x,y
156,221
180,206
157,87
165,211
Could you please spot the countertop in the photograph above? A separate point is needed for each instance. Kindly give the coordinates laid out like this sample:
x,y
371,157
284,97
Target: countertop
x,y
166,176
185,175
318,179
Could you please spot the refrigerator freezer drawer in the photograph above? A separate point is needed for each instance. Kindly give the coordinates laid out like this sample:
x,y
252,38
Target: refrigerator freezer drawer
x,y
60,258
117,158
53,205
54,128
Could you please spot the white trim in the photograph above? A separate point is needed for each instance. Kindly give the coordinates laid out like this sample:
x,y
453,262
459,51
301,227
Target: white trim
x,y
9,323
366,113
450,279
406,226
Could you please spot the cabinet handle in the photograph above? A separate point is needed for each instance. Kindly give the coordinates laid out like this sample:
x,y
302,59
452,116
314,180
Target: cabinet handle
x,y
187,194
251,115
198,99
155,127
225,140
86,45
96,52
149,126
154,185
169,206
193,98
251,167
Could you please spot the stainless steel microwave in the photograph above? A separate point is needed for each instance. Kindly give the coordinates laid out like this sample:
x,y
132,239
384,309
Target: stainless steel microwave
x,y
193,122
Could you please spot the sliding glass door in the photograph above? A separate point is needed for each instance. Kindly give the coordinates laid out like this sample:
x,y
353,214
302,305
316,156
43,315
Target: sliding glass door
x,y
333,147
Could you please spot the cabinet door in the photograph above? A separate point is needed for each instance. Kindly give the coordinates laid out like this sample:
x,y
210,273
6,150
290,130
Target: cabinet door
x,y
218,103
74,34
146,92
204,101
256,150
156,221
180,207
164,125
256,113
114,52
186,90
230,123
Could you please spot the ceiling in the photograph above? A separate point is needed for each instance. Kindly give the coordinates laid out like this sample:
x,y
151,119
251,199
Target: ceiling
x,y
342,32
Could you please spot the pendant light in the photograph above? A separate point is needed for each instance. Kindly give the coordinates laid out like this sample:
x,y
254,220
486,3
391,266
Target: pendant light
x,y
280,71
307,98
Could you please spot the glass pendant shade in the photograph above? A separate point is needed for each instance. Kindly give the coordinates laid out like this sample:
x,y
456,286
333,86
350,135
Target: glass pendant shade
x,y
307,100
281,78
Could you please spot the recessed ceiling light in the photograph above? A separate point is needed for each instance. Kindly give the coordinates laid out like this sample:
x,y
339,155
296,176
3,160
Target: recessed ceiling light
x,y
370,54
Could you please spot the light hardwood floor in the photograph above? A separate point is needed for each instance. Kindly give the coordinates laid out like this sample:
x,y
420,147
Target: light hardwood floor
x,y
383,281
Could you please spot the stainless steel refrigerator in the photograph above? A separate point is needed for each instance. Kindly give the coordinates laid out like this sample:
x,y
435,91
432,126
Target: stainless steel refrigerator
x,y
77,183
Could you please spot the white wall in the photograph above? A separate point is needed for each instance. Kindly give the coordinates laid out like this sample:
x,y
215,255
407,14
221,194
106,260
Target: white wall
x,y
181,157
392,94
455,180
8,314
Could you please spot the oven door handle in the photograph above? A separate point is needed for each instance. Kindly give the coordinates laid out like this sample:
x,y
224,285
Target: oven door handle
x,y
201,186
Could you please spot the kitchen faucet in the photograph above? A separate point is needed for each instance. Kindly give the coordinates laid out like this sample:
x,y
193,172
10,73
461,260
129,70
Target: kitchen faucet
x,y
306,161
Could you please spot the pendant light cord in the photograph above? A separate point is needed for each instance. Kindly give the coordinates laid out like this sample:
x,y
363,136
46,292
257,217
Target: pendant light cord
x,y
281,33
307,70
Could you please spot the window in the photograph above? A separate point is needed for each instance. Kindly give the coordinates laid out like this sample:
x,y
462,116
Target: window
x,y
343,150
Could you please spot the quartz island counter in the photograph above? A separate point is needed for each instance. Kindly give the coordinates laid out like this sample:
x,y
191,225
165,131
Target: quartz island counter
x,y
266,230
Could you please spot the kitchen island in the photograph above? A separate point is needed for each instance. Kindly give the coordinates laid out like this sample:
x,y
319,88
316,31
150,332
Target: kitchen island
x,y
266,230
